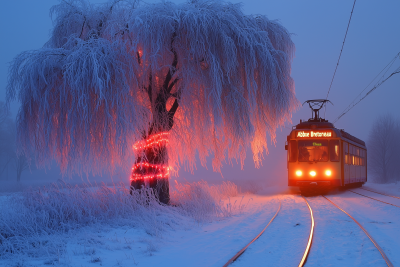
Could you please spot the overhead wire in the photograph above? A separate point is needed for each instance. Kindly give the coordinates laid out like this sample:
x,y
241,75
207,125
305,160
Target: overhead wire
x,y
341,50
379,83
387,67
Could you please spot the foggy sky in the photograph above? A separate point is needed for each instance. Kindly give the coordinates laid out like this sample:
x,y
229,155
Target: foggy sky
x,y
318,29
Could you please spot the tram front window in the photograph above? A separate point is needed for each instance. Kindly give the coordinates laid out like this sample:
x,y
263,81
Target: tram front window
x,y
313,150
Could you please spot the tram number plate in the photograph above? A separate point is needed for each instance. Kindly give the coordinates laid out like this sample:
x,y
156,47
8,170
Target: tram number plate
x,y
311,134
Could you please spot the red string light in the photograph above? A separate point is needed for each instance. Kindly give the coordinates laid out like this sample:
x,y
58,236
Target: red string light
x,y
150,170
135,177
156,139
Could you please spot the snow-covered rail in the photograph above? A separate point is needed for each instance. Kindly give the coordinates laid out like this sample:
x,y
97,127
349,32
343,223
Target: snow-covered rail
x,y
379,193
374,198
243,249
307,251
385,258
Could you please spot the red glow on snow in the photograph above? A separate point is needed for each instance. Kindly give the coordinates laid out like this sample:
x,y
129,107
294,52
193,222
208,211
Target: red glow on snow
x,y
155,170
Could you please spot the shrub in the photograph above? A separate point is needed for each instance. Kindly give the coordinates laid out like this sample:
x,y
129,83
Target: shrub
x,y
33,223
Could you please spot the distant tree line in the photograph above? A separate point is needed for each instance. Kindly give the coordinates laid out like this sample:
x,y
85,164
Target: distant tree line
x,y
384,149
11,163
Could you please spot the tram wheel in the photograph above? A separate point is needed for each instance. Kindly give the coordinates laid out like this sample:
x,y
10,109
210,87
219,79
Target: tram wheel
x,y
353,185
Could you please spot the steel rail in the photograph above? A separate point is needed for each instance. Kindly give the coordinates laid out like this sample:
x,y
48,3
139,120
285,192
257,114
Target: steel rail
x,y
386,259
243,249
374,199
307,251
379,193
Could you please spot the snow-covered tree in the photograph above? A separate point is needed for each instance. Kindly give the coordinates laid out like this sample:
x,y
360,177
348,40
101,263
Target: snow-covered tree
x,y
9,158
384,149
6,139
157,82
4,114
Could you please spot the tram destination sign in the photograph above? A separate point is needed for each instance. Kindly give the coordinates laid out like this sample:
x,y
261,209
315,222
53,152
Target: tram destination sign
x,y
313,134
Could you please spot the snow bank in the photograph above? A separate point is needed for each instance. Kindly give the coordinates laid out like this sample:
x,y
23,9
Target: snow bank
x,y
35,223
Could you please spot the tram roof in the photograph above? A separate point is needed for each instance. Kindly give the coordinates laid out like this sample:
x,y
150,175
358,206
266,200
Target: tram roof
x,y
352,138
324,124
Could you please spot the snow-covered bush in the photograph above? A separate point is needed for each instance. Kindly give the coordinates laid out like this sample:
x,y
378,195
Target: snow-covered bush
x,y
27,221
31,222
203,201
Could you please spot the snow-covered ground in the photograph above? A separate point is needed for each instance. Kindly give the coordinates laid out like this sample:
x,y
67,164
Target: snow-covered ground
x,y
284,241
382,221
187,240
338,240
391,189
205,244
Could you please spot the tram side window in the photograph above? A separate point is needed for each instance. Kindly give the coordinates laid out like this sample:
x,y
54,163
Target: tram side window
x,y
362,157
346,153
334,150
352,158
365,158
355,156
292,151
358,161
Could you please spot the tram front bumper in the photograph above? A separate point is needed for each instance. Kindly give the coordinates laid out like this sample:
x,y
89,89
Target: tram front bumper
x,y
331,183
314,183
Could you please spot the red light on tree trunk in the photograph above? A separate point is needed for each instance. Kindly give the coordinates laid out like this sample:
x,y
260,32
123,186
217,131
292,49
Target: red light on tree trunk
x,y
157,139
142,169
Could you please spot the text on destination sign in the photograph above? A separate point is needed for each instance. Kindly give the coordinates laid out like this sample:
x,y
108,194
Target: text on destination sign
x,y
304,134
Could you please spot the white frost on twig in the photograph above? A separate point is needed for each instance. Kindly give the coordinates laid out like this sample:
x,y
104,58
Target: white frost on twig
x,y
84,94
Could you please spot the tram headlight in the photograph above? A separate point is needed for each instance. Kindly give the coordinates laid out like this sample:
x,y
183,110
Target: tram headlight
x,y
328,173
299,173
313,173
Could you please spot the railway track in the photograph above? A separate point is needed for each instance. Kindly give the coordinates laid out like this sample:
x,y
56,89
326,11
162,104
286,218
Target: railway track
x,y
307,250
379,193
385,258
374,198
244,249
310,238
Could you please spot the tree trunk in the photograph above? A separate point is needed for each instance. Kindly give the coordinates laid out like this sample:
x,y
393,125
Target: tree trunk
x,y
151,168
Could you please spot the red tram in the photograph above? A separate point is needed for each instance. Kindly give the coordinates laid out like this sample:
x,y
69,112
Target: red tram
x,y
322,157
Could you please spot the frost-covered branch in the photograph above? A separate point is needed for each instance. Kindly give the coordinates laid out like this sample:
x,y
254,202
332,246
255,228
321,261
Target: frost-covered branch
x,y
111,74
